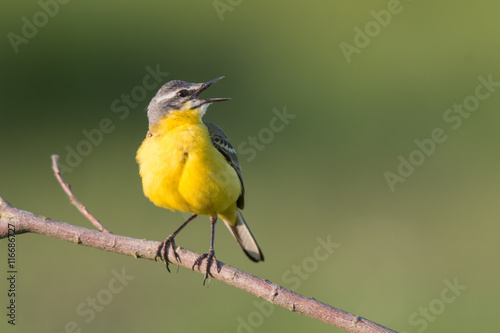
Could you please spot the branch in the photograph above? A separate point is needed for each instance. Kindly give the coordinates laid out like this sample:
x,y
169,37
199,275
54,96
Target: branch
x,y
67,188
14,221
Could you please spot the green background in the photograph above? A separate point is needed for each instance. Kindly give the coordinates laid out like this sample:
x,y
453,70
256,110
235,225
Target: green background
x,y
322,175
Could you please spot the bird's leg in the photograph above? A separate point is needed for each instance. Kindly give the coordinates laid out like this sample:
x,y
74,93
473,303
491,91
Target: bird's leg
x,y
210,255
170,243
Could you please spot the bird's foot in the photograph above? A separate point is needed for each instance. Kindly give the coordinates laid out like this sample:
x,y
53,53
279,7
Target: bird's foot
x,y
165,246
210,255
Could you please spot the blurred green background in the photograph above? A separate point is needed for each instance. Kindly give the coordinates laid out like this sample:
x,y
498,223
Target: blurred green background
x,y
321,175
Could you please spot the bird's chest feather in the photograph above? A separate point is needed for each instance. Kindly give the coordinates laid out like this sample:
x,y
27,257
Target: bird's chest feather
x,y
182,170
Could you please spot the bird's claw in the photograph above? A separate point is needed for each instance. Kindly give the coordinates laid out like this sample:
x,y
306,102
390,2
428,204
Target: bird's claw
x,y
162,252
210,255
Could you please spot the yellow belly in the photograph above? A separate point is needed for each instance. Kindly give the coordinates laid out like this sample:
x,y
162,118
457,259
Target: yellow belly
x,y
182,170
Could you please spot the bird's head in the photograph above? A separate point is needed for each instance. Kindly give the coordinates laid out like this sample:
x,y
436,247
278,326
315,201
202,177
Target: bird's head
x,y
180,96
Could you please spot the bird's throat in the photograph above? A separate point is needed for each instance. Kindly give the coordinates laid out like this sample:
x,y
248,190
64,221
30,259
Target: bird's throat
x,y
177,118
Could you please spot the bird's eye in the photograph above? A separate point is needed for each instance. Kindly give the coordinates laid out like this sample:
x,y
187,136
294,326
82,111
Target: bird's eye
x,y
182,93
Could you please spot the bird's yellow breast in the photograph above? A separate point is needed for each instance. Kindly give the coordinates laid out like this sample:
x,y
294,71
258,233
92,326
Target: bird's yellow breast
x,y
182,170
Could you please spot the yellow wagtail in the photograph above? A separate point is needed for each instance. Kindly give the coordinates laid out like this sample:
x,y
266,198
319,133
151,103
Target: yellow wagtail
x,y
187,164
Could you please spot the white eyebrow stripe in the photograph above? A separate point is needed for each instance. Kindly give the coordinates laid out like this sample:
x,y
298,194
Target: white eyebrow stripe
x,y
167,96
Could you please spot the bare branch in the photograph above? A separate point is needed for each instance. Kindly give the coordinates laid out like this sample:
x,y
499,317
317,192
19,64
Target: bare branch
x,y
14,221
81,207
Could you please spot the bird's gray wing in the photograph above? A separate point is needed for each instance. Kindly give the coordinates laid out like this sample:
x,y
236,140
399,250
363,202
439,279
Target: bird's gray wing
x,y
220,141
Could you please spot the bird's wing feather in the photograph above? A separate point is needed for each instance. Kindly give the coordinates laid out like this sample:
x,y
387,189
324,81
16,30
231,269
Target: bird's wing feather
x,y
220,141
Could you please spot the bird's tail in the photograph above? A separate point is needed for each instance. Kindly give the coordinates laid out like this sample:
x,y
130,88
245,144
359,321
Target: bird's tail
x,y
244,236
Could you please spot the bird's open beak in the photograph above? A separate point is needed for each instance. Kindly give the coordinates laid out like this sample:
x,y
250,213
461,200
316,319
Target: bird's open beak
x,y
203,86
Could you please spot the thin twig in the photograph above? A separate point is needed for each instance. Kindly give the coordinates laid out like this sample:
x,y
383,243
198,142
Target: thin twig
x,y
16,221
81,207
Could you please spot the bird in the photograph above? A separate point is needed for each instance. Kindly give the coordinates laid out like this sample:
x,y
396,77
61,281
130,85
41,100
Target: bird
x,y
187,164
